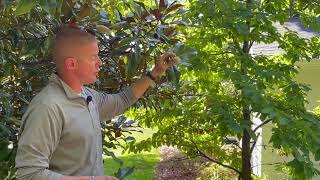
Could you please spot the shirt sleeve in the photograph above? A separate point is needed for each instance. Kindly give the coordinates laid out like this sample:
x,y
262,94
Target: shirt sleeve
x,y
40,134
111,105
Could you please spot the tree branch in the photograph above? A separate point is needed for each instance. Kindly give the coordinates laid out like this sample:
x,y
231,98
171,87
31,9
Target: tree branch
x,y
213,160
254,144
276,163
220,53
232,142
262,124
307,5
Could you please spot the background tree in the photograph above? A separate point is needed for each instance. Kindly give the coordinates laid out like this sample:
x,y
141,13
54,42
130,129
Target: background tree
x,y
131,35
226,86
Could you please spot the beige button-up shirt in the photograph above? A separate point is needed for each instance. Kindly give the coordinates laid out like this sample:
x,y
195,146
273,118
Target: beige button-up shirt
x,y
61,132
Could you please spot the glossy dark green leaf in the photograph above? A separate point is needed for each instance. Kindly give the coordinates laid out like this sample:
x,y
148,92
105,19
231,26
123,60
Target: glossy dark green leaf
x,y
119,17
134,60
173,75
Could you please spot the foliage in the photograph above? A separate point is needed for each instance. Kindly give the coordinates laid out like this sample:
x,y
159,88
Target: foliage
x,y
226,85
131,35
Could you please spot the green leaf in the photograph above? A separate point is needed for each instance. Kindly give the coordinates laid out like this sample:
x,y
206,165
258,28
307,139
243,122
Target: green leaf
x,y
173,7
124,172
24,6
4,151
173,75
129,139
163,4
49,6
118,15
284,121
317,155
85,11
134,60
298,155
126,41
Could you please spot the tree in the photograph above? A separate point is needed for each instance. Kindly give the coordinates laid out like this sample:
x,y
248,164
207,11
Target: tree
x,y
226,85
131,35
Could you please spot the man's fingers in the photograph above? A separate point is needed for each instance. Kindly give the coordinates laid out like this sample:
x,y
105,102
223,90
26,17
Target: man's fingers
x,y
167,55
166,60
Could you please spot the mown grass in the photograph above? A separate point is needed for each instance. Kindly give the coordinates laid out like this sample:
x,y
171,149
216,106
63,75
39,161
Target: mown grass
x,y
143,162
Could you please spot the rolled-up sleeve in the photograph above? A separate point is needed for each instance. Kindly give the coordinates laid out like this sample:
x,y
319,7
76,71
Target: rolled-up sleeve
x,y
41,131
111,105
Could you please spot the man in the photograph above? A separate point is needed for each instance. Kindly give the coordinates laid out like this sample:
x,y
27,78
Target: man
x,y
60,133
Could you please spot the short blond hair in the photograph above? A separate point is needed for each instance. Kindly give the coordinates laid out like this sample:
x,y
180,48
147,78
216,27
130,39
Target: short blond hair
x,y
69,38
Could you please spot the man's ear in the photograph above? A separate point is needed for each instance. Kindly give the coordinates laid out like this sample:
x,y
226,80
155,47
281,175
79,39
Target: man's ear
x,y
70,63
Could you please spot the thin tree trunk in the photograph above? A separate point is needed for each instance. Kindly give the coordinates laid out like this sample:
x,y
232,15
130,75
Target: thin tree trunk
x,y
246,153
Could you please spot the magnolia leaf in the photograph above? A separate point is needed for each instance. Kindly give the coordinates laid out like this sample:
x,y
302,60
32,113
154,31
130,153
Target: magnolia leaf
x,y
163,4
173,7
103,29
104,14
118,15
84,11
133,62
173,75
24,6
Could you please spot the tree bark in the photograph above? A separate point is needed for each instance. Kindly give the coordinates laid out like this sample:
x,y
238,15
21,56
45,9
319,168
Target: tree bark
x,y
246,153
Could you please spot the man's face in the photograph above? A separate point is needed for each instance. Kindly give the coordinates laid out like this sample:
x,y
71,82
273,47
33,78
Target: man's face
x,y
88,63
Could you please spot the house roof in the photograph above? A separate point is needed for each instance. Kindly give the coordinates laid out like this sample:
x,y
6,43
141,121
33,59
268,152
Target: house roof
x,y
294,24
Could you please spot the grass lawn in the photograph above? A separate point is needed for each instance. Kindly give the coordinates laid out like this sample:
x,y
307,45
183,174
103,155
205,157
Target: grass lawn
x,y
143,162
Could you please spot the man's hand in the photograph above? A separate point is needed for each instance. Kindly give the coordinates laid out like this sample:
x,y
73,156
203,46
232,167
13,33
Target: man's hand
x,y
166,60
105,178
89,178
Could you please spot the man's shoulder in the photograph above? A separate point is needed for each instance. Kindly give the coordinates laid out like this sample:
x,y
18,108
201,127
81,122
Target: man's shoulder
x,y
49,96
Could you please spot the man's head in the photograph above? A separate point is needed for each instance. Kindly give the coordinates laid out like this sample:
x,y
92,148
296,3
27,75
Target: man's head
x,y
76,55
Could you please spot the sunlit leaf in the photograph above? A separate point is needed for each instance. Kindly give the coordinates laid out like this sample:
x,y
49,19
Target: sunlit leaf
x,y
24,6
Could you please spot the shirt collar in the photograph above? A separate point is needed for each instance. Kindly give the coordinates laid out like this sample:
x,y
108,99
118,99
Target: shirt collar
x,y
70,93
